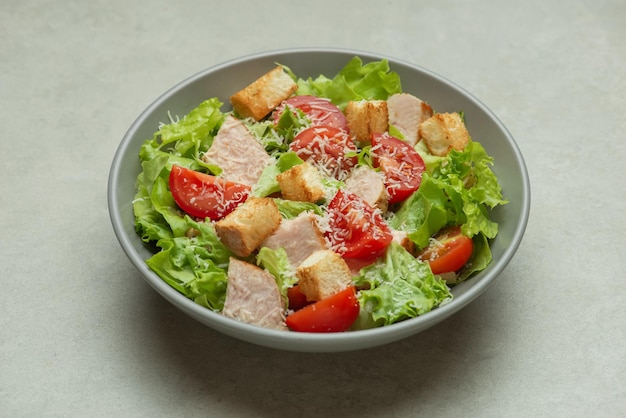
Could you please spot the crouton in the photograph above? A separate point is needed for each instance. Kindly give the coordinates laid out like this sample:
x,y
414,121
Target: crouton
x,y
402,238
245,228
302,183
264,95
323,274
366,117
443,132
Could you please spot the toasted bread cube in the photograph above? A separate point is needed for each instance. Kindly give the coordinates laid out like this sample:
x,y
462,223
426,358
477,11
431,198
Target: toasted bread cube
x,y
264,94
302,183
402,238
323,274
245,228
443,132
366,117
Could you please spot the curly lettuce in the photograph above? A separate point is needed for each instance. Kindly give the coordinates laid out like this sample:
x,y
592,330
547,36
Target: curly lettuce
x,y
355,81
460,189
399,286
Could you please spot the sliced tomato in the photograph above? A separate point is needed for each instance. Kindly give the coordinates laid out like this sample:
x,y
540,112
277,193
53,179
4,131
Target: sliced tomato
x,y
335,313
327,147
400,163
297,299
205,196
356,229
449,251
318,110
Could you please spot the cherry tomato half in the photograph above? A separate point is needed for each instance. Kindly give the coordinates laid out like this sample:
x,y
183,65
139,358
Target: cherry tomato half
x,y
335,313
449,252
400,163
202,195
356,230
318,110
326,147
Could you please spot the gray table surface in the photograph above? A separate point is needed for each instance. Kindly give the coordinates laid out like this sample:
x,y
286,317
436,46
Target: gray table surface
x,y
81,334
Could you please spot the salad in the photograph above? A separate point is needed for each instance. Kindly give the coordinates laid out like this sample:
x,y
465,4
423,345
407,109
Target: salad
x,y
318,204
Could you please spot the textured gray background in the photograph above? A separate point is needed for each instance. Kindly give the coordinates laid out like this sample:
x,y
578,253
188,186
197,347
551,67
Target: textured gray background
x,y
81,334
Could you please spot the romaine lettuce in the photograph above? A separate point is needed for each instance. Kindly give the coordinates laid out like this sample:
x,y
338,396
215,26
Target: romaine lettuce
x,y
472,189
196,265
277,264
355,81
399,287
460,190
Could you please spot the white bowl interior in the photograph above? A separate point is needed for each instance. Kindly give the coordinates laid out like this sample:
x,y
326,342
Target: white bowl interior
x,y
222,81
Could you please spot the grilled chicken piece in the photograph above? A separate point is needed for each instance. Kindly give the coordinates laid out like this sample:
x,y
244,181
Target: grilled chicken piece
x,y
238,153
368,184
300,237
406,112
252,296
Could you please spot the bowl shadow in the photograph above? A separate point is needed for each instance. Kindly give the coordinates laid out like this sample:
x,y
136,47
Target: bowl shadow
x,y
259,381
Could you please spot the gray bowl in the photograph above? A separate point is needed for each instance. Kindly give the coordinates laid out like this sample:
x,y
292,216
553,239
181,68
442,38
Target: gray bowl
x,y
223,80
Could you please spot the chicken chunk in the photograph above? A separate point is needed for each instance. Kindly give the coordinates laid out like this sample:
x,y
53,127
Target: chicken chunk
x,y
238,153
252,296
368,184
406,112
309,238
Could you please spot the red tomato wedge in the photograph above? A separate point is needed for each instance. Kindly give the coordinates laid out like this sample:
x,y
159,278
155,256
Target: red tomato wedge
x,y
335,313
356,229
205,196
449,252
326,147
400,163
318,110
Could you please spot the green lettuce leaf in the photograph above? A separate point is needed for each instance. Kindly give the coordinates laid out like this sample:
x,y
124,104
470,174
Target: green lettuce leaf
x,y
192,133
277,264
472,189
461,190
289,209
194,265
267,183
399,287
355,81
150,225
276,138
423,213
